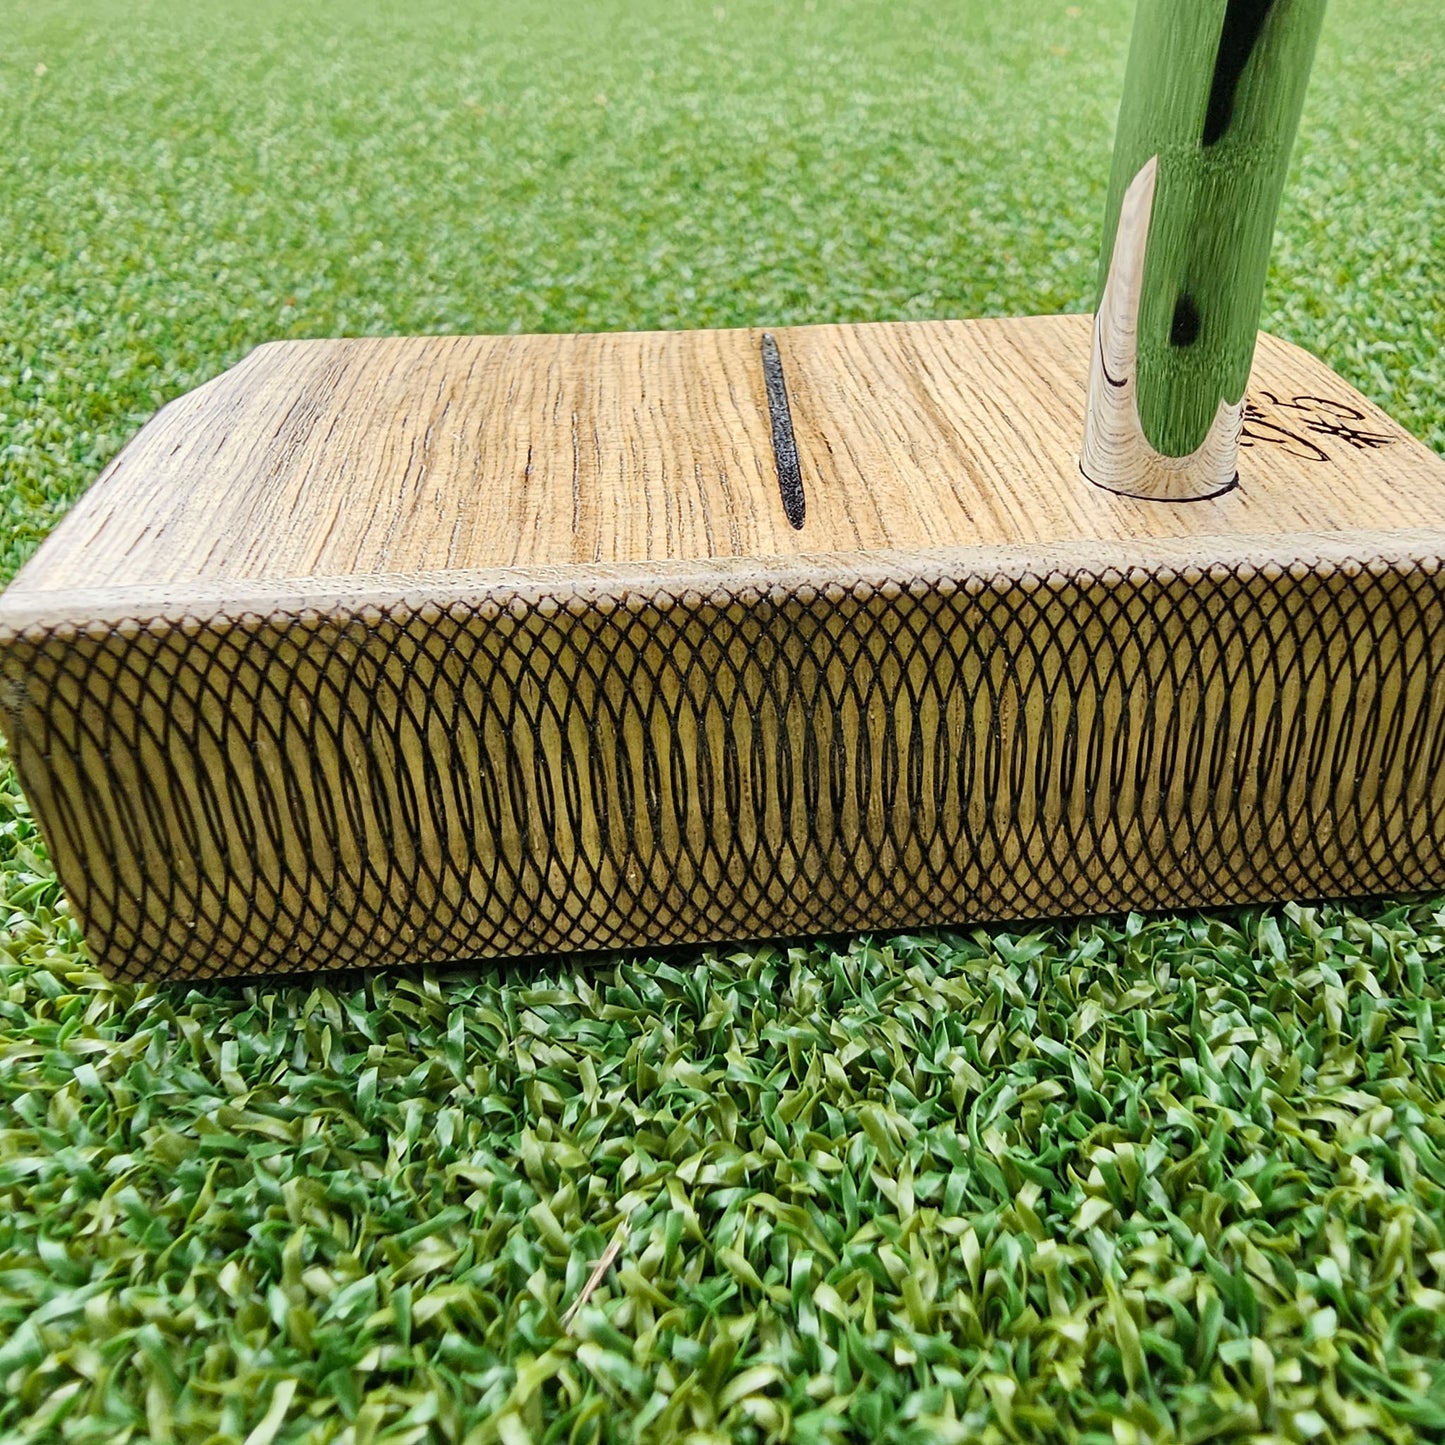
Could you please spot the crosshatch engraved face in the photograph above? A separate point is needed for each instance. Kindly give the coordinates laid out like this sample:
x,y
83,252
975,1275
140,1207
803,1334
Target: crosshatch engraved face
x,y
521,774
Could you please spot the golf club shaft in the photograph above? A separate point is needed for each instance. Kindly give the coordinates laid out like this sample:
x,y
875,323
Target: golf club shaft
x,y
1214,90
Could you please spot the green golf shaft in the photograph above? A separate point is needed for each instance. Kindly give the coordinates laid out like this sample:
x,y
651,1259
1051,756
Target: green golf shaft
x,y
1214,88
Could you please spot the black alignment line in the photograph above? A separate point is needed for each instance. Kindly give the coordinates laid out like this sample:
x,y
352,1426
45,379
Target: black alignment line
x,y
785,446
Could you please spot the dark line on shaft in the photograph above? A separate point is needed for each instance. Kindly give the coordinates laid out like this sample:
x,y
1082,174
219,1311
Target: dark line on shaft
x,y
1243,26
785,445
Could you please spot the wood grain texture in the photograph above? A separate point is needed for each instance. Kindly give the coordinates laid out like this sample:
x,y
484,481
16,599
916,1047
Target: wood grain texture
x,y
383,651
336,458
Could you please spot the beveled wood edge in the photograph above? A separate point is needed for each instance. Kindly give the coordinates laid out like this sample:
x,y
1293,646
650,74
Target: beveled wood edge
x,y
1084,320
36,616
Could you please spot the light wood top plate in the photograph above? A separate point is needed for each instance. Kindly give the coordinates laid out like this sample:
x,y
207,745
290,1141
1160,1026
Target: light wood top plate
x,y
423,455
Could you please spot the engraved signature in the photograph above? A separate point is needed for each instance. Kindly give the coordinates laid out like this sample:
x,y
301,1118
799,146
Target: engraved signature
x,y
1317,415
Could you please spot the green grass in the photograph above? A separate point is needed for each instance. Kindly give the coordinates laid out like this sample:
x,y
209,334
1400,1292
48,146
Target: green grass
x,y
1175,1179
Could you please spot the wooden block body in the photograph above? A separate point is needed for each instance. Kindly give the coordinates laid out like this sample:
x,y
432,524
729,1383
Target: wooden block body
x,y
376,651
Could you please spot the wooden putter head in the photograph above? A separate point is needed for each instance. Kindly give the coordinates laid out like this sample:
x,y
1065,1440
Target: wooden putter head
x,y
393,650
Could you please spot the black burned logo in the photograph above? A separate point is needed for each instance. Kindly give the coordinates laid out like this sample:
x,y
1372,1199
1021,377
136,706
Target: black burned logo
x,y
1316,415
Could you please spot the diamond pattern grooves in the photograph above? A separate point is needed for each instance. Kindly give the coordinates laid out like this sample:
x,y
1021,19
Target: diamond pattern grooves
x,y
524,773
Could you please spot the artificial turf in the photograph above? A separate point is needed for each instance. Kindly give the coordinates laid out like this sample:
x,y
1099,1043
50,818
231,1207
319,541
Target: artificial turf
x,y
1165,1179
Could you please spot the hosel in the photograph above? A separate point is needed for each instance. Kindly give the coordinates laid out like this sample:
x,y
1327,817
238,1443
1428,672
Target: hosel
x,y
1212,99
